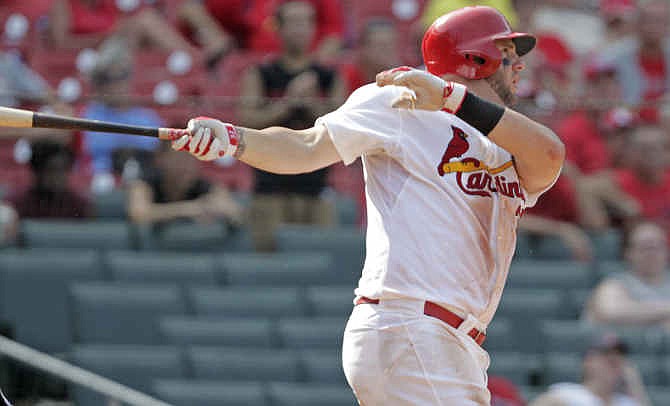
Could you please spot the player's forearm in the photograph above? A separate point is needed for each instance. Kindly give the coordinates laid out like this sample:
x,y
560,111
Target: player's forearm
x,y
537,151
285,151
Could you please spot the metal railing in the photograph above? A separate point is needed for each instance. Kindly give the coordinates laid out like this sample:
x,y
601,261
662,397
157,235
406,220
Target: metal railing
x,y
116,393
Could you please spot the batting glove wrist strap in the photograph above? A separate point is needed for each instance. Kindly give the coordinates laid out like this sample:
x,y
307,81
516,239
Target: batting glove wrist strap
x,y
453,95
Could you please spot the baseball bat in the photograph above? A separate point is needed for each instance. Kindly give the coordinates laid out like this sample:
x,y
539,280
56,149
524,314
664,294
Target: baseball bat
x,y
19,118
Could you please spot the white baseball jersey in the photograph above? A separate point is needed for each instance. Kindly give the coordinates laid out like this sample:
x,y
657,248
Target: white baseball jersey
x,y
443,202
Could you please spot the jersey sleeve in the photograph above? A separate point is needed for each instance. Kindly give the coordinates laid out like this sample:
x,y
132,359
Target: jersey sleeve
x,y
365,124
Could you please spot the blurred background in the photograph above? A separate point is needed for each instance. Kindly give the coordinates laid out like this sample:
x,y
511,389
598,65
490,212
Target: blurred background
x,y
217,284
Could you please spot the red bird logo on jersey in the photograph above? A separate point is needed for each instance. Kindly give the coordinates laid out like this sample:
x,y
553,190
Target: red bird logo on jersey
x,y
458,146
473,176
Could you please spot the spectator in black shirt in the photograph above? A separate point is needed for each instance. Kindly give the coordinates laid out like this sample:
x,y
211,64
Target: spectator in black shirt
x,y
291,91
175,190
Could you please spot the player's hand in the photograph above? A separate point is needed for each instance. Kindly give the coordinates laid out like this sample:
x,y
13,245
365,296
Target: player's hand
x,y
425,90
208,139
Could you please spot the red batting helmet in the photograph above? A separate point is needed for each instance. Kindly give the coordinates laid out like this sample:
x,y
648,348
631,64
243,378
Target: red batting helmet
x,y
463,42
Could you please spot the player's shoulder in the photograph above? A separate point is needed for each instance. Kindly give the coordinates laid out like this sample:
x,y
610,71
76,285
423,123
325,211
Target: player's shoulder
x,y
371,94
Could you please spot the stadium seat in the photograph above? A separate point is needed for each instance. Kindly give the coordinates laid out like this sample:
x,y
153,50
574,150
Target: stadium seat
x,y
522,369
185,269
323,366
306,333
210,393
34,293
575,336
347,210
575,302
243,364
550,275
562,367
346,244
549,248
296,394
185,237
277,269
651,369
531,303
566,335
111,205
76,234
607,268
501,335
330,301
247,332
135,366
247,301
116,313
607,245
659,395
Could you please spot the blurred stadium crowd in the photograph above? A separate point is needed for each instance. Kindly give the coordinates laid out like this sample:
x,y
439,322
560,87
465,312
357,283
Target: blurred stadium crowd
x,y
91,222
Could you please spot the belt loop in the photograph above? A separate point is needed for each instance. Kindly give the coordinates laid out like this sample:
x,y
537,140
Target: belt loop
x,y
469,323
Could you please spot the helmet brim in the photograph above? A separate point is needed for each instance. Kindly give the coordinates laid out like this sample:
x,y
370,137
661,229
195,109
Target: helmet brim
x,y
523,42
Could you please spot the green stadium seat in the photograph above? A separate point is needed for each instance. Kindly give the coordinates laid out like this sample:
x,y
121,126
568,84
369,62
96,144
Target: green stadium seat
x,y
651,369
243,364
549,248
134,366
347,210
607,244
247,332
315,333
523,249
116,313
210,393
148,267
184,237
608,268
111,205
531,304
277,269
575,302
323,366
330,301
562,367
296,394
247,301
572,336
659,395
34,293
76,234
522,369
501,335
346,244
550,275
575,336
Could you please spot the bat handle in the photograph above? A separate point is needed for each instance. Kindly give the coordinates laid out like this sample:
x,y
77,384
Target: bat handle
x,y
171,134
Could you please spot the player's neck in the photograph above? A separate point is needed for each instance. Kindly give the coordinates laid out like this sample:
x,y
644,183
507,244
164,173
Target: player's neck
x,y
479,87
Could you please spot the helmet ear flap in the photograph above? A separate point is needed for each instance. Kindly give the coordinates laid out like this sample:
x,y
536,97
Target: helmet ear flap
x,y
475,59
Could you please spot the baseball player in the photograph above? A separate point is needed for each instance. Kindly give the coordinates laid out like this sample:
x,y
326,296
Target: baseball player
x,y
445,190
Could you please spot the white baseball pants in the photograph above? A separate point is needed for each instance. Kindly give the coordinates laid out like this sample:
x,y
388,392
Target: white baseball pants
x,y
394,355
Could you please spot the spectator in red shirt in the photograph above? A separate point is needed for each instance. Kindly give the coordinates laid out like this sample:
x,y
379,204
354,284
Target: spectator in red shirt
x,y
50,196
647,178
86,23
221,25
642,64
377,51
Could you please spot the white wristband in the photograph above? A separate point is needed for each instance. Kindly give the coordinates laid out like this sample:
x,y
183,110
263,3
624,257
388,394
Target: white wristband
x,y
233,140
